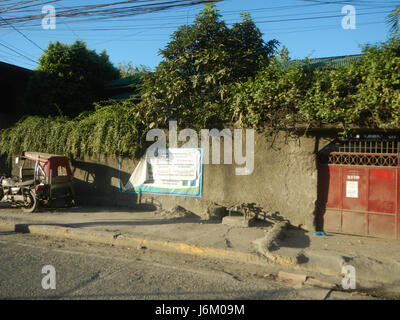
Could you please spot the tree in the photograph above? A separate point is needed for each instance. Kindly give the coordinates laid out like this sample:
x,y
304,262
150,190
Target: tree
x,y
284,54
68,80
126,69
393,20
200,63
363,93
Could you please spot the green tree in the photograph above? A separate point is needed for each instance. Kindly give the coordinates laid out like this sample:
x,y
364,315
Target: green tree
x,y
271,98
127,69
364,92
68,80
200,63
377,98
284,54
393,20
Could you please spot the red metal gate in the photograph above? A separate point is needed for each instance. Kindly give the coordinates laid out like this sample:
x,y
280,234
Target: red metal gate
x,y
358,189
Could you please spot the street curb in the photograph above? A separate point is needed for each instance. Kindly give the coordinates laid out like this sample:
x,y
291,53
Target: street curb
x,y
124,240
4,226
116,239
265,245
106,237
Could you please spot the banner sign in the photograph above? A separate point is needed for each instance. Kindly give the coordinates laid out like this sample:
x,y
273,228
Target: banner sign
x,y
174,171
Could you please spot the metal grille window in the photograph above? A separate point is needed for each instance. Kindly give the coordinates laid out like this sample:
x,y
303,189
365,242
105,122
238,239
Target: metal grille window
x,y
363,150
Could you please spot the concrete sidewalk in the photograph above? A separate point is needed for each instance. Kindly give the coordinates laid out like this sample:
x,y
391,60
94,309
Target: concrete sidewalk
x,y
133,228
376,261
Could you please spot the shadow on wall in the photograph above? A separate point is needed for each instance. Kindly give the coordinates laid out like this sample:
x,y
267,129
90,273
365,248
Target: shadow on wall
x,y
98,184
323,181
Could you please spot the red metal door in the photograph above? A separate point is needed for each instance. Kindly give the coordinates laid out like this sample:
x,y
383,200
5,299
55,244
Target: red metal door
x,y
360,200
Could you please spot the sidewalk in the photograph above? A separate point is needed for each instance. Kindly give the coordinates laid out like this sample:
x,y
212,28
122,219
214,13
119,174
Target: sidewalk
x,y
150,229
376,261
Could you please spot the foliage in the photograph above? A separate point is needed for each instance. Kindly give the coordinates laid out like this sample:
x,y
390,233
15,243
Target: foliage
x,y
68,80
214,75
192,83
271,98
377,100
365,93
393,19
110,130
126,69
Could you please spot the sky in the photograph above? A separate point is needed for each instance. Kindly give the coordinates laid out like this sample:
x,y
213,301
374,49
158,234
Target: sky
x,y
308,28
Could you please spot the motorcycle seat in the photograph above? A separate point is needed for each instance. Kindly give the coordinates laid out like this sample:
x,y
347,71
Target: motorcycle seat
x,y
15,183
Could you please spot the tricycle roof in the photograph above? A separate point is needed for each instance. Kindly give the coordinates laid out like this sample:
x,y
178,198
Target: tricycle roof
x,y
40,155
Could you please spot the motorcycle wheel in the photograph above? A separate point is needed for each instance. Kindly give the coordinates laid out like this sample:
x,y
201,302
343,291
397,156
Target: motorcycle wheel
x,y
69,200
31,202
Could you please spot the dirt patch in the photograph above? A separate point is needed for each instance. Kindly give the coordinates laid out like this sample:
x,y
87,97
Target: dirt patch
x,y
177,212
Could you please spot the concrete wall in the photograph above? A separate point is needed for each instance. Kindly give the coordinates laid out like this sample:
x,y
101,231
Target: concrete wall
x,y
284,180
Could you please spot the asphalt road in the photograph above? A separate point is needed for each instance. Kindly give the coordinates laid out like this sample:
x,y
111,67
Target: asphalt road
x,y
95,271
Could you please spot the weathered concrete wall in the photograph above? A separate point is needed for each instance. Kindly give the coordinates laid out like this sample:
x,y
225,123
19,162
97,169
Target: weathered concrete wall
x,y
284,180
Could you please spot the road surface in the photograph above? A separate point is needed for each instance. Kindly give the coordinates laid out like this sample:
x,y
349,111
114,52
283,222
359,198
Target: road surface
x,y
95,271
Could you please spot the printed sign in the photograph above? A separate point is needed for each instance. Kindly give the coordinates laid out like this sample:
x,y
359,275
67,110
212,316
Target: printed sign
x,y
353,177
174,171
351,189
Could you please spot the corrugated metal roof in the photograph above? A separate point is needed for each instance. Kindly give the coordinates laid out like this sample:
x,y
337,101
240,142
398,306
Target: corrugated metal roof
x,y
127,88
124,82
329,62
335,61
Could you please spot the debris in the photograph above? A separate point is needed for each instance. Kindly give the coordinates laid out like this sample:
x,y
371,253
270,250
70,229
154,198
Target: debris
x,y
178,212
115,236
216,212
141,247
237,221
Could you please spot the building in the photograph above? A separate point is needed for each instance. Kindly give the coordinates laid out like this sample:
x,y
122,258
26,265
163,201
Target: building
x,y
13,84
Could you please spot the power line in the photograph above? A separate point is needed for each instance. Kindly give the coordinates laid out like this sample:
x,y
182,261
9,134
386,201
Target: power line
x,y
22,55
171,21
102,11
314,18
171,25
34,43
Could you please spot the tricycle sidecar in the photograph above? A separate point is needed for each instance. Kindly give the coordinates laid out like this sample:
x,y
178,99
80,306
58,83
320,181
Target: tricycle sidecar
x,y
44,179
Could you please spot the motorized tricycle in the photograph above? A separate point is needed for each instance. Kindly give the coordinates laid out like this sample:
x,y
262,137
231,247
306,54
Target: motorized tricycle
x,y
44,179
